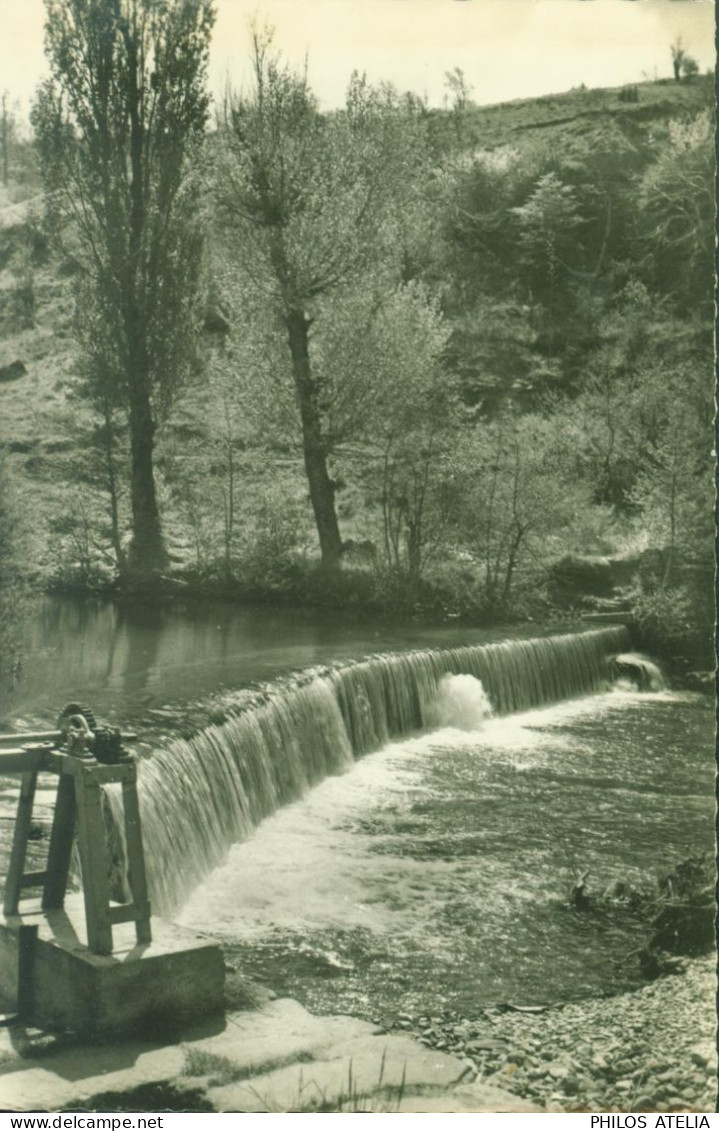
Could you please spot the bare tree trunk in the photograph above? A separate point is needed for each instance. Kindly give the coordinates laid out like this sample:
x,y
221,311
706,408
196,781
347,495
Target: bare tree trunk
x,y
147,553
669,563
322,491
229,508
114,494
511,565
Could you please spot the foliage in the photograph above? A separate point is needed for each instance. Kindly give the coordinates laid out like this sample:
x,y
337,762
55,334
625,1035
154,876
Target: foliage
x,y
464,359
308,199
516,500
639,431
458,93
677,215
684,65
17,306
276,550
409,417
548,223
674,622
8,136
14,575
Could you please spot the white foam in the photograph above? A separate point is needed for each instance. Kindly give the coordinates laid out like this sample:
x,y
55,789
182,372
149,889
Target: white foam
x,y
460,702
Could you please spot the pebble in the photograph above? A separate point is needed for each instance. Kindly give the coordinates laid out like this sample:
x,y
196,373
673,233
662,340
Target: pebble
x,y
646,1051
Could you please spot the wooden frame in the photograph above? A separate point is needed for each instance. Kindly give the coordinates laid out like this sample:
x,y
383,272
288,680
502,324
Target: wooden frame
x,y
78,809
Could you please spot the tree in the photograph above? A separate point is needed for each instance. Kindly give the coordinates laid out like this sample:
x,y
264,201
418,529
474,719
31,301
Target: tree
x,y
678,56
410,419
7,134
548,224
676,216
683,64
308,198
459,93
117,126
13,577
690,67
517,499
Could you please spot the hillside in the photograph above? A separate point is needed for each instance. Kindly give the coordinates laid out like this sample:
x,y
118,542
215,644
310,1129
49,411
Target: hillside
x,y
496,343
31,405
585,113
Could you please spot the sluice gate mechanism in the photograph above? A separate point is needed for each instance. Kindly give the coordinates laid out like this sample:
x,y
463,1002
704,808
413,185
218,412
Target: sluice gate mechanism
x,y
86,962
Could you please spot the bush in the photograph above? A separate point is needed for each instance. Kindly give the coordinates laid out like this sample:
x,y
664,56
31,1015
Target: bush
x,y
629,93
678,908
673,623
276,556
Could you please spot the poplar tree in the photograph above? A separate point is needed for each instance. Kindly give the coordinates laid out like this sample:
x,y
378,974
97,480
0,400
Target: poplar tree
x,y
118,125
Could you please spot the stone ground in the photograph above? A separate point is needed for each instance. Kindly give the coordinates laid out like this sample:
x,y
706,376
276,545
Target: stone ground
x,y
649,1051
652,1050
277,1058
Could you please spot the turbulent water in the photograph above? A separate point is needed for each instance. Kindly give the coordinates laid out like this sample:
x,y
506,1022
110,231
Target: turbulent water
x,y
400,831
200,795
436,874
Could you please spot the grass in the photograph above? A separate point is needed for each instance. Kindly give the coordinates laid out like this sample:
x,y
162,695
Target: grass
x,y
310,1096
161,1096
585,110
222,1071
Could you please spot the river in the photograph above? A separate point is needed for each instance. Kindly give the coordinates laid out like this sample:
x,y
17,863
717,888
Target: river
x,y
127,662
428,875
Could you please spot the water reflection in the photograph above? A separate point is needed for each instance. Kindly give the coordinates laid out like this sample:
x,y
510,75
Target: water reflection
x,y
143,631
122,659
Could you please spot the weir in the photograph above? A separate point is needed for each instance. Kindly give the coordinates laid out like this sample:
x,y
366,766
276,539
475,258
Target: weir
x,y
200,795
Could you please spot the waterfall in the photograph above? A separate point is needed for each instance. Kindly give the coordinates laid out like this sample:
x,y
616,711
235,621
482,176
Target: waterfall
x,y
201,794
639,671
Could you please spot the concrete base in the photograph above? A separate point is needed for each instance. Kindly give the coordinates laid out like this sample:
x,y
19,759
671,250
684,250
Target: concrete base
x,y
174,981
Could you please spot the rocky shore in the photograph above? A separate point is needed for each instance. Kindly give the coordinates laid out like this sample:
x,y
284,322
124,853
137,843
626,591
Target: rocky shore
x,y
651,1050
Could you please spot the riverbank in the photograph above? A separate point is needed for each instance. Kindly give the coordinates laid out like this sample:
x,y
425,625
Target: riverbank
x,y
652,1050
273,1056
450,593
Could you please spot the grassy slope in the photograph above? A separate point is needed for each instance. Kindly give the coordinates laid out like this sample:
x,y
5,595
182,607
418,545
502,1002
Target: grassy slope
x,y
37,423
581,113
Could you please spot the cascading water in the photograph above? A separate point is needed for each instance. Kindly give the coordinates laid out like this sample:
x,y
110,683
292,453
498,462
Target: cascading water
x,y
460,702
638,671
200,795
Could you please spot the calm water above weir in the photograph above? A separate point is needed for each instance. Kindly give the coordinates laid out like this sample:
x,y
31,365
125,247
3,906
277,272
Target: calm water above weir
x,y
401,833
126,662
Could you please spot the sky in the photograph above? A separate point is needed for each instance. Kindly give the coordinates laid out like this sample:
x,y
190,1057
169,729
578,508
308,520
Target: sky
x,y
506,48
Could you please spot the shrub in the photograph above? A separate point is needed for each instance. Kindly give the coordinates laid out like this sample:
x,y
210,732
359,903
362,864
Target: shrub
x,y
678,908
673,623
629,93
275,557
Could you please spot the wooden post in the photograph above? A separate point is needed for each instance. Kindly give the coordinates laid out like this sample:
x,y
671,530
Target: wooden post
x,y
16,869
93,860
60,849
136,860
